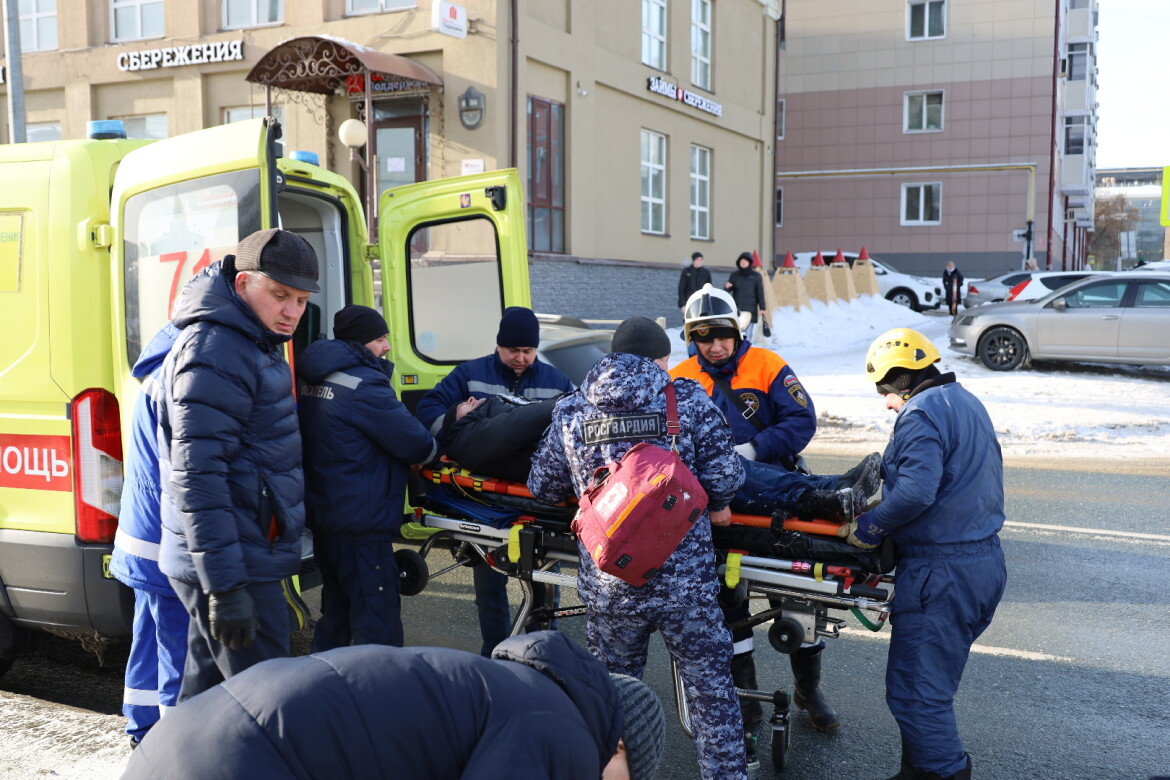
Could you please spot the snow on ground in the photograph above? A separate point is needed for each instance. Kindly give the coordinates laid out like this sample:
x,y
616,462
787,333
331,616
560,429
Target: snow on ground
x,y
1054,410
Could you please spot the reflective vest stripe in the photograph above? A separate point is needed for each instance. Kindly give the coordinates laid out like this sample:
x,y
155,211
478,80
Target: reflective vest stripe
x,y
139,548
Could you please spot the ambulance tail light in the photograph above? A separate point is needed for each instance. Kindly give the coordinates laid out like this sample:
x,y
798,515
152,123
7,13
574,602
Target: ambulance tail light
x,y
97,465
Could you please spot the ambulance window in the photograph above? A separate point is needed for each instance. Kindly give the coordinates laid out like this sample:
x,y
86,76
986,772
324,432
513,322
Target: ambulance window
x,y
455,289
173,232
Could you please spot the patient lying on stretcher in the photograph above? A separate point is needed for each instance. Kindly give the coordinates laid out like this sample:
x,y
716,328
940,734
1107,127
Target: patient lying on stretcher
x,y
497,436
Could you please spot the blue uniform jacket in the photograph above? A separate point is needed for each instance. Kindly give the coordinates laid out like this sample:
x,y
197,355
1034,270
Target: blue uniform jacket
x,y
359,441
229,446
543,710
942,473
622,385
485,377
767,384
135,558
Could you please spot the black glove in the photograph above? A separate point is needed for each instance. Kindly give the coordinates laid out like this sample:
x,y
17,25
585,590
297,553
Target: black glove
x,y
233,618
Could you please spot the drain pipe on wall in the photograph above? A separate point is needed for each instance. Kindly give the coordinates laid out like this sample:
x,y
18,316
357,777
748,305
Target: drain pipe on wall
x,y
514,98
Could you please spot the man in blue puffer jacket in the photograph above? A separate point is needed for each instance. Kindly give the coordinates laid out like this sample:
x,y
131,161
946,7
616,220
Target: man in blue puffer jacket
x,y
943,504
541,709
359,442
230,455
158,647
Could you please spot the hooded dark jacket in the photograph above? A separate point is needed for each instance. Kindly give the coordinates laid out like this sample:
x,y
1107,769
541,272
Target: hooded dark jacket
x,y
691,281
541,709
747,288
359,441
229,449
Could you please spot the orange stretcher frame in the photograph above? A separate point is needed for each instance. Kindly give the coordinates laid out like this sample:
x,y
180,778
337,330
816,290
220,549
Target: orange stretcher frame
x,y
454,475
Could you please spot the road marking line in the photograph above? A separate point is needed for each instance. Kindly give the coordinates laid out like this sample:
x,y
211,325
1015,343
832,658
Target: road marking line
x,y
1093,531
1006,652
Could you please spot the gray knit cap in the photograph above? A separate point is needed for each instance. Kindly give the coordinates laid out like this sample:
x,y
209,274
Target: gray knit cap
x,y
641,336
644,731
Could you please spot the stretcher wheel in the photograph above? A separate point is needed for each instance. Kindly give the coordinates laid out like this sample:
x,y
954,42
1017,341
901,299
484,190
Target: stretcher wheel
x,y
413,573
786,635
781,739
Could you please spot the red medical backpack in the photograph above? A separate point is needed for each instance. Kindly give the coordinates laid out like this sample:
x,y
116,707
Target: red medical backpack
x,y
637,510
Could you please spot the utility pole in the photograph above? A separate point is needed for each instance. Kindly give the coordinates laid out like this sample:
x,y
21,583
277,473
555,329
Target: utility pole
x,y
16,128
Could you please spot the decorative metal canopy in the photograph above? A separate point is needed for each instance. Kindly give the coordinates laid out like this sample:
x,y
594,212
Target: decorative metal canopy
x,y
326,65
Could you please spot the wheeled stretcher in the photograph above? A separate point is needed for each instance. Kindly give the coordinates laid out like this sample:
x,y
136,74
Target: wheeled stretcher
x,y
802,572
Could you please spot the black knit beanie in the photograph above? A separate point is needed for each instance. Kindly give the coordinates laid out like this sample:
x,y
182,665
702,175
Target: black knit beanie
x,y
644,730
518,328
641,336
902,381
360,324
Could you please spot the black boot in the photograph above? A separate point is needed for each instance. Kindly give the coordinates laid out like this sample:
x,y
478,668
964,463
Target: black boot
x,y
839,506
865,477
907,770
806,669
743,674
962,774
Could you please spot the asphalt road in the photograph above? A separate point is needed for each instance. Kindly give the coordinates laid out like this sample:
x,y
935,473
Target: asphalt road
x,y
1071,682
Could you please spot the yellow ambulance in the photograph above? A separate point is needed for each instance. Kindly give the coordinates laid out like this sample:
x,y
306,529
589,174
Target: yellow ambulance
x,y
98,236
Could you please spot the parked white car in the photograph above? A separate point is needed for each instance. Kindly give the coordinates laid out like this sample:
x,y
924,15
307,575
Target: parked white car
x,y
1040,283
914,292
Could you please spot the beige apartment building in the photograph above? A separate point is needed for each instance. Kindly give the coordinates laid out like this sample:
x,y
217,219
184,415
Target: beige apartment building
x,y
935,130
643,128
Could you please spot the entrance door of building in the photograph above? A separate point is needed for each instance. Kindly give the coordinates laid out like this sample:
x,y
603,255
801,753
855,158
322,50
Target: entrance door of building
x,y
401,151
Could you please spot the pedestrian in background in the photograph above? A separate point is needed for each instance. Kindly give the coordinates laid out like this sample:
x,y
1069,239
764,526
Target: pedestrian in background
x,y
943,505
230,455
693,277
747,288
359,444
158,646
952,280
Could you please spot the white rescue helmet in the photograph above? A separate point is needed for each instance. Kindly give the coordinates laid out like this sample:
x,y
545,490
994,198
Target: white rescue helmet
x,y
707,309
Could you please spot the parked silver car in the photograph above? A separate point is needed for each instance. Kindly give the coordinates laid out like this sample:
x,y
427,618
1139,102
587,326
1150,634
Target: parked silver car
x,y
1119,318
994,289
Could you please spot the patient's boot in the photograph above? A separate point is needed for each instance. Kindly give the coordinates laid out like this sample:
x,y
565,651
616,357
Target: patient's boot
x,y
840,505
806,670
865,477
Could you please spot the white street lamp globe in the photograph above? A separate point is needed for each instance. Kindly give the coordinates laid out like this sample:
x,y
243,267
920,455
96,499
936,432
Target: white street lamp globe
x,y
352,133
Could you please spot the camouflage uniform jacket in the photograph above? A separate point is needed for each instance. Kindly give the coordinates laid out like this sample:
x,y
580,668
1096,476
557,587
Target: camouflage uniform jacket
x,y
585,434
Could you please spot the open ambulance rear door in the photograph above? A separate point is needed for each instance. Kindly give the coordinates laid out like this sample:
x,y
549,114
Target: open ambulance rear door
x,y
454,256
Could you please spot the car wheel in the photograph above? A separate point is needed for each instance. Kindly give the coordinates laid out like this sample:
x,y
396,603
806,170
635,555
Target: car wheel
x,y
903,297
1002,349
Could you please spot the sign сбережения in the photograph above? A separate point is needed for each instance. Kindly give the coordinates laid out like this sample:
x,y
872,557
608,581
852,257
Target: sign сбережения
x,y
661,86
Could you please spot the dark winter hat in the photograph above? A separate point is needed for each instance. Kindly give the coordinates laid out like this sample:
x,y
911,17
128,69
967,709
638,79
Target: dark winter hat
x,y
744,256
644,731
280,255
695,256
641,336
359,323
518,328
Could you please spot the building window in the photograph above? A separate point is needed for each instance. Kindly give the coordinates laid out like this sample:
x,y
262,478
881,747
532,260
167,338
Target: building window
x,y
1078,61
38,25
1076,133
251,13
653,183
654,33
244,113
781,116
924,112
926,19
779,207
136,19
922,204
152,126
546,175
376,6
700,192
42,131
701,44
1075,4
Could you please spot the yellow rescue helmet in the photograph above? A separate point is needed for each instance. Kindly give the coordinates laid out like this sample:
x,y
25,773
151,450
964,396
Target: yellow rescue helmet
x,y
898,348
